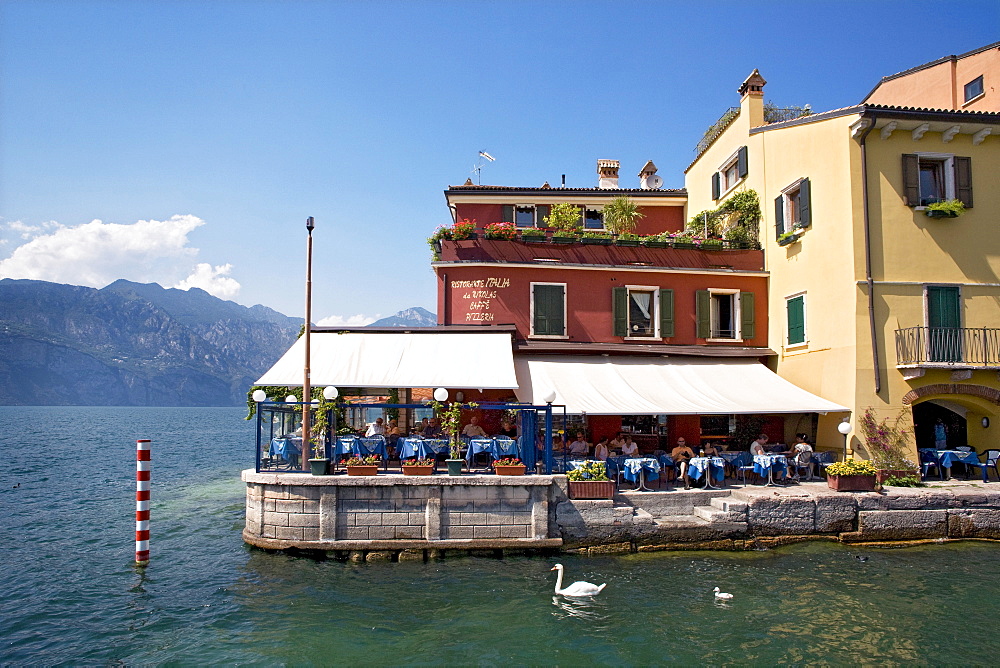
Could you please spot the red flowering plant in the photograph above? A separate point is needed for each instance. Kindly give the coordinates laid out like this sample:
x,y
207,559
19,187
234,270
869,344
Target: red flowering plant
x,y
508,461
463,229
887,441
418,462
370,460
507,231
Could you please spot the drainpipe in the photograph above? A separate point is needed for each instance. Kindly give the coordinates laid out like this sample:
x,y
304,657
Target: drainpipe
x,y
444,300
868,255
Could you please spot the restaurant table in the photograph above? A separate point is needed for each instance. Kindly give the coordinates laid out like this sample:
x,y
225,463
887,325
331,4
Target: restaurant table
x,y
370,445
949,457
637,467
288,449
716,467
477,445
408,447
768,463
429,448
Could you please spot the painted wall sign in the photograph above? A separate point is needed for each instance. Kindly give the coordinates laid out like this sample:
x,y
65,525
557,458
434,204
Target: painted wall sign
x,y
479,297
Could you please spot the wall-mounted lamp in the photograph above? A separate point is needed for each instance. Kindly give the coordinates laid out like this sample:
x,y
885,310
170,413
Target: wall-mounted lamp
x,y
440,394
460,396
986,423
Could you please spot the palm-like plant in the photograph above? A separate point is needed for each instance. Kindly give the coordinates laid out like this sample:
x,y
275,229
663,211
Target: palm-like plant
x,y
621,215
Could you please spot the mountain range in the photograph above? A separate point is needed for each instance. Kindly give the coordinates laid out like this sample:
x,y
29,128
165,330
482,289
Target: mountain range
x,y
135,344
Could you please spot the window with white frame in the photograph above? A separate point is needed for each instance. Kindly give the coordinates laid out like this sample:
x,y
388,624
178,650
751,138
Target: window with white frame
x,y
724,314
731,172
792,207
935,177
525,215
642,310
974,89
548,310
795,311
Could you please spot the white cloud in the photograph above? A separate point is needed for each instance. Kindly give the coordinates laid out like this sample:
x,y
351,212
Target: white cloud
x,y
359,320
213,280
97,253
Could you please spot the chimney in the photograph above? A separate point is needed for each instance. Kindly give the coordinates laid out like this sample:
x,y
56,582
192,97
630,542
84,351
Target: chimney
x,y
647,170
608,174
752,99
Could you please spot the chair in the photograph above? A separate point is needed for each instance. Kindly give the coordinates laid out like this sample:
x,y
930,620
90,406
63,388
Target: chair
x,y
993,459
822,460
616,469
743,465
667,464
803,462
928,460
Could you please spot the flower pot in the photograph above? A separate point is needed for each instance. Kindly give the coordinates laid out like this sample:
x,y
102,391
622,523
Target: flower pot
x,y
533,238
655,244
564,240
318,466
590,241
418,470
591,489
455,466
517,469
851,483
895,473
364,469
934,213
682,244
626,242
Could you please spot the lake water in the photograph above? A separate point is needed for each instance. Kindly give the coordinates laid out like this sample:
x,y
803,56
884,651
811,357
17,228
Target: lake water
x,y
72,596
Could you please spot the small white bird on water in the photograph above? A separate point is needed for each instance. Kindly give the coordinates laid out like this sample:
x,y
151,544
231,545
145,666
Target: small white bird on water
x,y
721,595
577,588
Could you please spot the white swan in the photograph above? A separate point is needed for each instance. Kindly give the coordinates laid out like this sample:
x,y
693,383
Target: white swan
x,y
721,595
577,588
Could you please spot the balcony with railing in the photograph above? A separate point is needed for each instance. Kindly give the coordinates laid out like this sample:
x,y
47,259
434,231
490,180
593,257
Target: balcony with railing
x,y
949,347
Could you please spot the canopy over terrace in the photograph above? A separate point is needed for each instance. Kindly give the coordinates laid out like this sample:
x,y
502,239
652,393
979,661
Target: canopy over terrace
x,y
632,385
431,358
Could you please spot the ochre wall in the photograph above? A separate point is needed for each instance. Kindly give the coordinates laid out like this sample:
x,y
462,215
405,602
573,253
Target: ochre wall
x,y
934,87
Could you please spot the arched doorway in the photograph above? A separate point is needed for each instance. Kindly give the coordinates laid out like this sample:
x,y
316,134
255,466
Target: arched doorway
x,y
952,416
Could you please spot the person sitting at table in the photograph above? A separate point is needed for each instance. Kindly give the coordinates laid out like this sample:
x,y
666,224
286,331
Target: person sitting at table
x,y
433,429
617,443
710,450
507,429
376,428
757,445
801,455
392,435
579,448
601,451
682,454
630,448
473,430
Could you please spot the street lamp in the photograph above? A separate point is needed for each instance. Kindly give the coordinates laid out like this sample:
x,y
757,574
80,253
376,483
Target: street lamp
x,y
259,396
845,429
441,394
306,391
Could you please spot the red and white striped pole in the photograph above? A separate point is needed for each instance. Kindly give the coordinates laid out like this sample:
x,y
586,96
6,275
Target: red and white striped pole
x,y
142,468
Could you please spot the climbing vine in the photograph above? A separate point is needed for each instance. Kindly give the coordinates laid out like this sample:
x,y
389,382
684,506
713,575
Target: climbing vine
x,y
737,220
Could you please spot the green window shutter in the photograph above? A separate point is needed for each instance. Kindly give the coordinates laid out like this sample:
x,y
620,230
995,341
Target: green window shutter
x,y
943,306
666,313
963,180
548,310
619,304
508,213
741,161
703,313
805,208
746,316
911,179
541,213
779,215
796,320
716,185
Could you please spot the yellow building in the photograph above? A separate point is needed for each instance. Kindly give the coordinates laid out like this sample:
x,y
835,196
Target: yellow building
x,y
873,302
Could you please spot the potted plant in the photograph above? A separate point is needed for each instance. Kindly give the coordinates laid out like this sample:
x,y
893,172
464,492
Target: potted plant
x,y
590,481
318,464
564,218
949,208
463,229
711,244
367,465
504,231
434,241
596,238
532,234
654,241
621,215
853,475
787,238
509,466
451,424
418,467
682,241
627,239
886,442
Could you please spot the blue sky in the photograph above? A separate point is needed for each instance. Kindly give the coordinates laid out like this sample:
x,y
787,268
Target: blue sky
x,y
186,142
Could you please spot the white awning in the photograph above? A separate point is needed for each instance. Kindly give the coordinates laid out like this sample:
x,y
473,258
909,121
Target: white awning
x,y
599,385
432,359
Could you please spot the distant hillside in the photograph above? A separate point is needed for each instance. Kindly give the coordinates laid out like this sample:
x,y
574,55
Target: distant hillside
x,y
411,317
132,344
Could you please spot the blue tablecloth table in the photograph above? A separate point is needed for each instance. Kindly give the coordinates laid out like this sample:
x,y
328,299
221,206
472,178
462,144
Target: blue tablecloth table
x,y
716,467
287,449
949,457
639,467
768,463
429,448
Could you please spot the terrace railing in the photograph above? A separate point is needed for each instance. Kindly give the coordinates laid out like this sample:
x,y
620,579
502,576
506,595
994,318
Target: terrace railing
x,y
948,346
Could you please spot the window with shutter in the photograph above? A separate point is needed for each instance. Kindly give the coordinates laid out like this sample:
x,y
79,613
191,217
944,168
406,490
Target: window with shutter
x,y
779,215
747,320
741,160
619,306
666,313
508,213
541,213
716,189
548,309
936,177
805,203
703,313
792,209
963,180
732,171
796,314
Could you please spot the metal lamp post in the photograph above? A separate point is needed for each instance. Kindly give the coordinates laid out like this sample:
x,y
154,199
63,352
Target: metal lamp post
x,y
306,391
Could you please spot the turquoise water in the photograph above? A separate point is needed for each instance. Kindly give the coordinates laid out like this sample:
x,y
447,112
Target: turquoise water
x,y
71,595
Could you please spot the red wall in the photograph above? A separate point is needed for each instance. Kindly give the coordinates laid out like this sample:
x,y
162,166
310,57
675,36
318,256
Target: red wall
x,y
503,297
655,219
